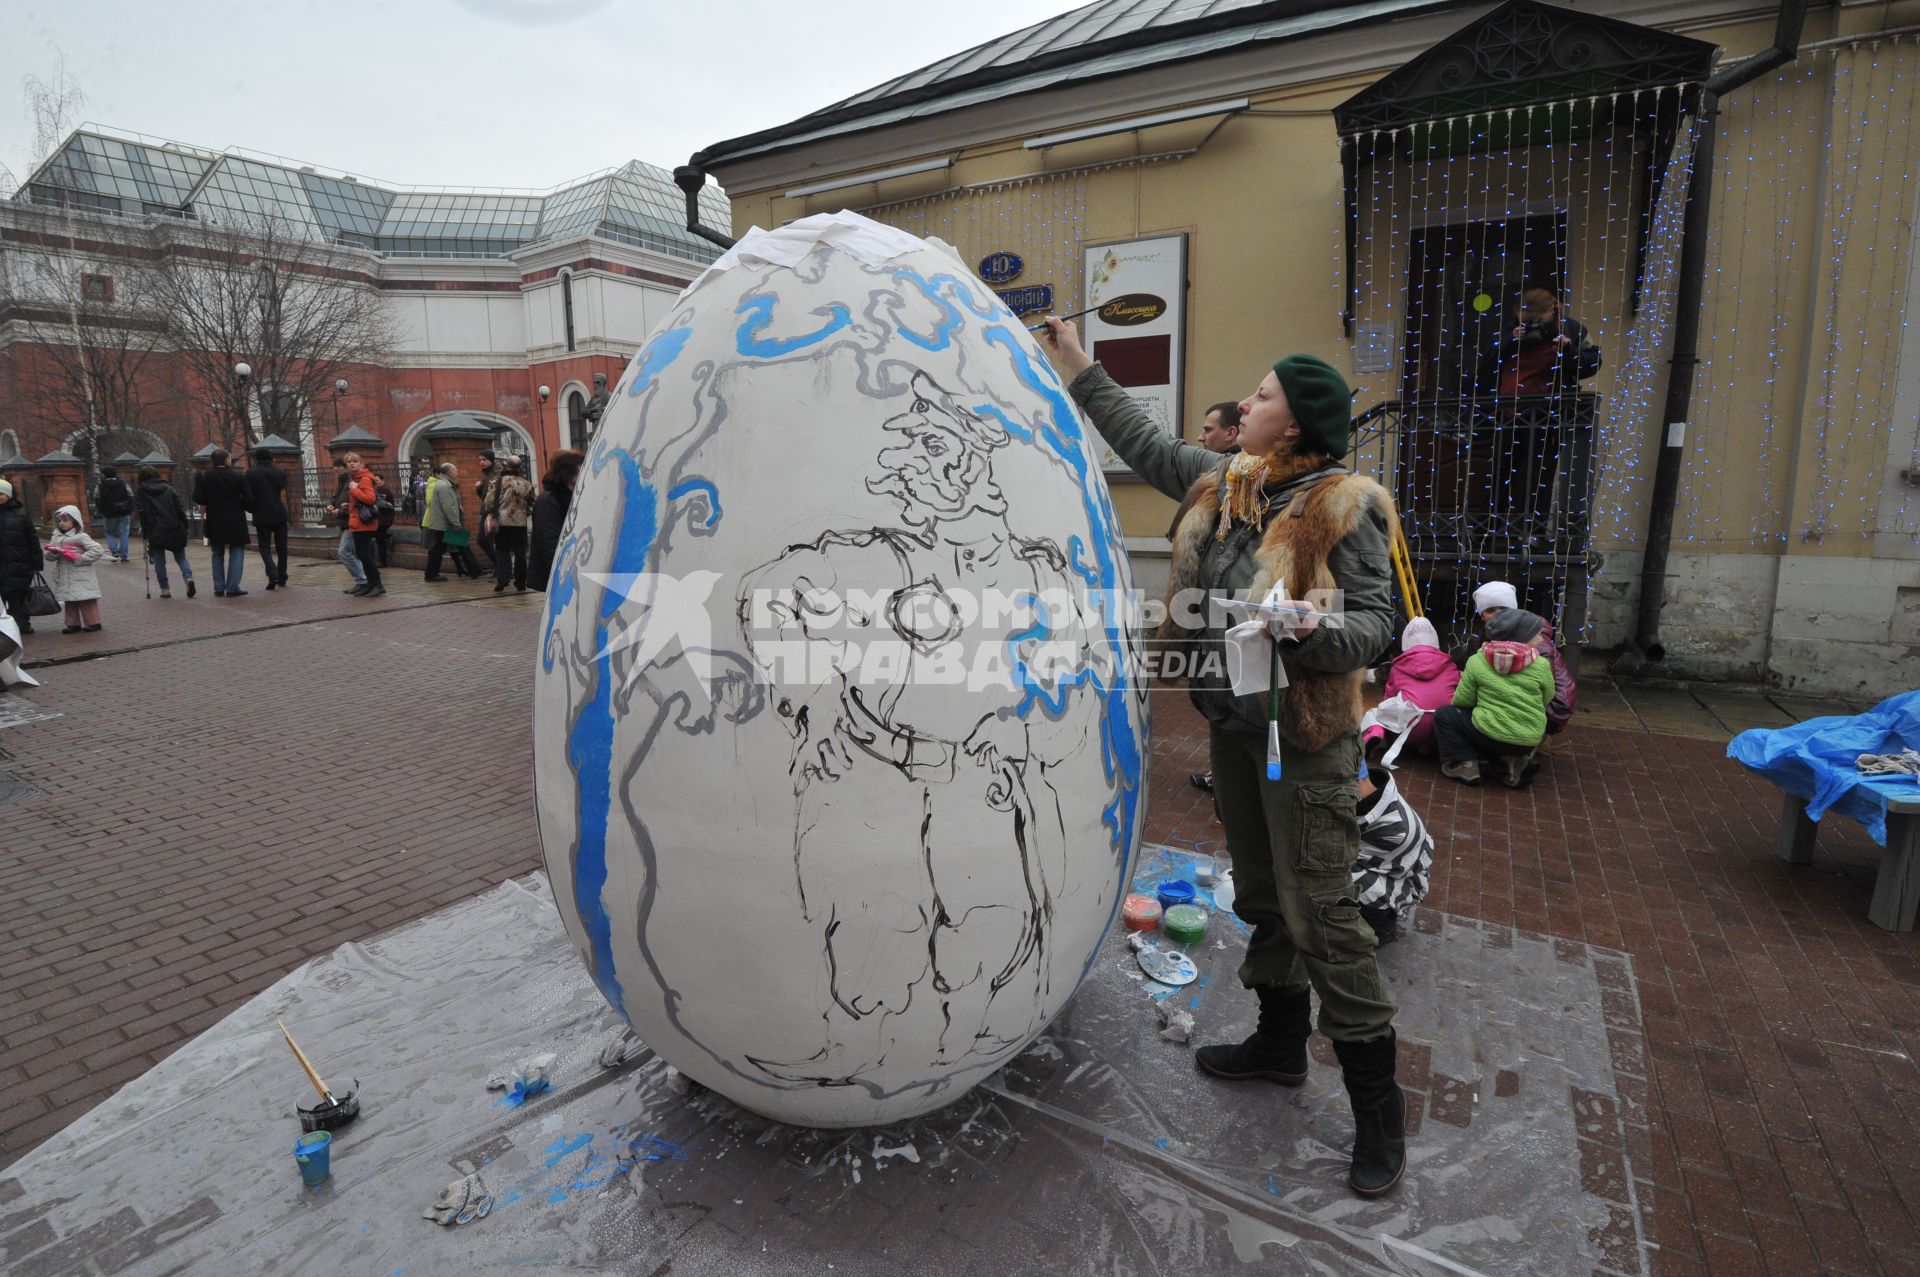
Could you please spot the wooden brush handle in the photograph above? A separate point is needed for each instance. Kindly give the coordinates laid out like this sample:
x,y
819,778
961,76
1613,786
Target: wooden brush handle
x,y
301,1056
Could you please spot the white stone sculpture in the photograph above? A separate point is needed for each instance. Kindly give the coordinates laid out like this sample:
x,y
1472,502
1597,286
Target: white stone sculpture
x,y
839,753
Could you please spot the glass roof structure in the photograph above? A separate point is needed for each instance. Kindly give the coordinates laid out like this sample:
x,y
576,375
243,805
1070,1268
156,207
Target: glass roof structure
x,y
136,176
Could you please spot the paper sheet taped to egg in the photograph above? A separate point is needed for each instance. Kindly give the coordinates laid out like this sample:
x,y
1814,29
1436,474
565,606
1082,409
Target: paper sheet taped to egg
x,y
839,749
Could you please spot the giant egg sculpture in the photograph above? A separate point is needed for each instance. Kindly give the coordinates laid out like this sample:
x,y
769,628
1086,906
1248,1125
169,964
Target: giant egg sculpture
x,y
839,752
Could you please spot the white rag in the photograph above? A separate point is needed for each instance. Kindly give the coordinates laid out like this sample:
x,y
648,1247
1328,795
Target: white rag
x,y
11,675
1250,661
1906,760
862,237
464,1200
1396,715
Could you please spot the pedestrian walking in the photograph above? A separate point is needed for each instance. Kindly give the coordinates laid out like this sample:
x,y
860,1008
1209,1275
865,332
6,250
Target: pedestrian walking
x,y
483,490
383,539
363,520
550,513
512,509
267,492
114,502
337,510
71,554
445,531
224,496
163,522
1284,763
20,556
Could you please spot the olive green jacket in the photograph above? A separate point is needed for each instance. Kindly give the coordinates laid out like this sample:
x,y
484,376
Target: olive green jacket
x,y
1358,561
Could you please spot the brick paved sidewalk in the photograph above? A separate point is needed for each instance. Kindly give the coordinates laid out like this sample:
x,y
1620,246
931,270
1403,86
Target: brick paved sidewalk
x,y
315,591
218,810
215,808
1778,1028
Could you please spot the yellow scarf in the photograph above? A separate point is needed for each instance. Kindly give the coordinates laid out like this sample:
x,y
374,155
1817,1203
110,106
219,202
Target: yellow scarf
x,y
1248,478
1241,502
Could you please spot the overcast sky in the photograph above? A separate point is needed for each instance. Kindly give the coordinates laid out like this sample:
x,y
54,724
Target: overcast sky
x,y
471,92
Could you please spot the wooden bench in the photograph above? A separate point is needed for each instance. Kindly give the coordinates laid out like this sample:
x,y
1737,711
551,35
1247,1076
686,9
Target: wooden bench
x,y
1896,888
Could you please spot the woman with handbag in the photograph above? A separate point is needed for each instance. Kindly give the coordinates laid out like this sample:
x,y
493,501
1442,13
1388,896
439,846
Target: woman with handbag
x,y
363,521
445,529
20,556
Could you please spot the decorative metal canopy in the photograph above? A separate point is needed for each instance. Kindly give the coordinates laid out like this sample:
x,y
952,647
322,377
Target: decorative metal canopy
x,y
1522,54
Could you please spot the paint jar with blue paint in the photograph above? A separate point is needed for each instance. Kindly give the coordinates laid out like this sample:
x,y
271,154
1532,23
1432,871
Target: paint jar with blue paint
x,y
1175,891
314,1153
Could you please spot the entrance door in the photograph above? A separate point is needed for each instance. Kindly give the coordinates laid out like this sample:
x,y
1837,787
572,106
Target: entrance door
x,y
1461,474
1463,283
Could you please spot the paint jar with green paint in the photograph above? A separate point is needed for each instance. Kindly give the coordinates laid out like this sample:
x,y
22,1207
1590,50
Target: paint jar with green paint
x,y
1185,924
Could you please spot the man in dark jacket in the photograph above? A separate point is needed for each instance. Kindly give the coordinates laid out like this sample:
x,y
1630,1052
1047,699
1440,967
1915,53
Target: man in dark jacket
x,y
225,496
20,556
267,493
114,504
1545,353
163,521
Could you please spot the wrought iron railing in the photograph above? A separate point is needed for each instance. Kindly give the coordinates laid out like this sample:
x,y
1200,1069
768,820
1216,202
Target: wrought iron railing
x,y
398,476
1490,487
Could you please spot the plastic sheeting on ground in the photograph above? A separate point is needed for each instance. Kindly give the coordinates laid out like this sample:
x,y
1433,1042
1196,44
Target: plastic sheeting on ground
x,y
1815,760
1098,1150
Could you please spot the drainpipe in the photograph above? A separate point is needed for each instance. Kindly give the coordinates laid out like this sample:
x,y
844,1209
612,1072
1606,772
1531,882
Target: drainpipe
x,y
691,178
1646,645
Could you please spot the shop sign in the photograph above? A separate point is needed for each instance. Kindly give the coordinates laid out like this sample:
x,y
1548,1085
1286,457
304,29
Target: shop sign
x,y
1025,301
1139,331
1001,268
1134,308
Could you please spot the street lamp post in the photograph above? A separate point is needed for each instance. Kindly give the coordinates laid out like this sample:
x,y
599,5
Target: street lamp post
x,y
339,391
241,374
546,393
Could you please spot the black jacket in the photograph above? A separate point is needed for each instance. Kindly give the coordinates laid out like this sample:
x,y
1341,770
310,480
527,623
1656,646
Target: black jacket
x,y
224,494
163,520
114,499
20,554
341,502
266,494
549,516
1577,360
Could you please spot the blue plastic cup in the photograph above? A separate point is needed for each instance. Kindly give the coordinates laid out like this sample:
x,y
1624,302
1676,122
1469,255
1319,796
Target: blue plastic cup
x,y
314,1152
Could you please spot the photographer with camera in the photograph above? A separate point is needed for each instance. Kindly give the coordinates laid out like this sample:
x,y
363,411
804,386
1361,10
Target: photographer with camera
x,y
1545,353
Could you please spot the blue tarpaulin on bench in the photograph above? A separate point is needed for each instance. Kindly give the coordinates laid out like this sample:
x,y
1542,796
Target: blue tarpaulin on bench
x,y
1815,760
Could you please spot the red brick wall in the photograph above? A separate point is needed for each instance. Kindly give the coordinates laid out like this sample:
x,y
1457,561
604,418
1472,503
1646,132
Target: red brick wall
x,y
385,401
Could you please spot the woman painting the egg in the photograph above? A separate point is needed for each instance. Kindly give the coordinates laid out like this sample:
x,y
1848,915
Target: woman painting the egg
x,y
1284,510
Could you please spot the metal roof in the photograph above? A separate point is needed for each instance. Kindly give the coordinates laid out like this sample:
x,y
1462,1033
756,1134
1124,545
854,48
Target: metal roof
x,y
132,175
1110,37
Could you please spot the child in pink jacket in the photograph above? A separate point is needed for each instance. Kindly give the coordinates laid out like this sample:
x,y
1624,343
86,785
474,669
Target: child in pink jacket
x,y
1424,675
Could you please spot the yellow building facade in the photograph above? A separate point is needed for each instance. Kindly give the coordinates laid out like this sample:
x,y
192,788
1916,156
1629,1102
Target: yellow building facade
x,y
1393,250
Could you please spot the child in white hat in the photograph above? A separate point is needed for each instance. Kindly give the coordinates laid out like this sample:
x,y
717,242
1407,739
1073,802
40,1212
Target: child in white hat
x,y
71,554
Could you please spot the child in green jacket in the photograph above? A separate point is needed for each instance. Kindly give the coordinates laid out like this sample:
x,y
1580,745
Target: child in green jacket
x,y
1499,712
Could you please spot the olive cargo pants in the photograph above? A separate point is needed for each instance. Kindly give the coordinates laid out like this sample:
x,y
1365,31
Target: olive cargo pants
x,y
1293,845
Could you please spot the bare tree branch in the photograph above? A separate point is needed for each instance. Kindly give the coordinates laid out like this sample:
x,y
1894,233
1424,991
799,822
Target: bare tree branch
x,y
259,290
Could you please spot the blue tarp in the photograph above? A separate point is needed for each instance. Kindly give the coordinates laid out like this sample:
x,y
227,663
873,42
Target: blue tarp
x,y
1815,760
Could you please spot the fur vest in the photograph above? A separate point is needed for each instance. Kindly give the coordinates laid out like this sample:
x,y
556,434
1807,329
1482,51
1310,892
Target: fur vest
x,y
1300,533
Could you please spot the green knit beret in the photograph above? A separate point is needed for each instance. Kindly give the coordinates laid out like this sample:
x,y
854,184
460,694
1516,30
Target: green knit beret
x,y
1321,402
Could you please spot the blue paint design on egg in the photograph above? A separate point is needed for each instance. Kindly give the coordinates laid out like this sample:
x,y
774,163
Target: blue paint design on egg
x,y
759,313
590,742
